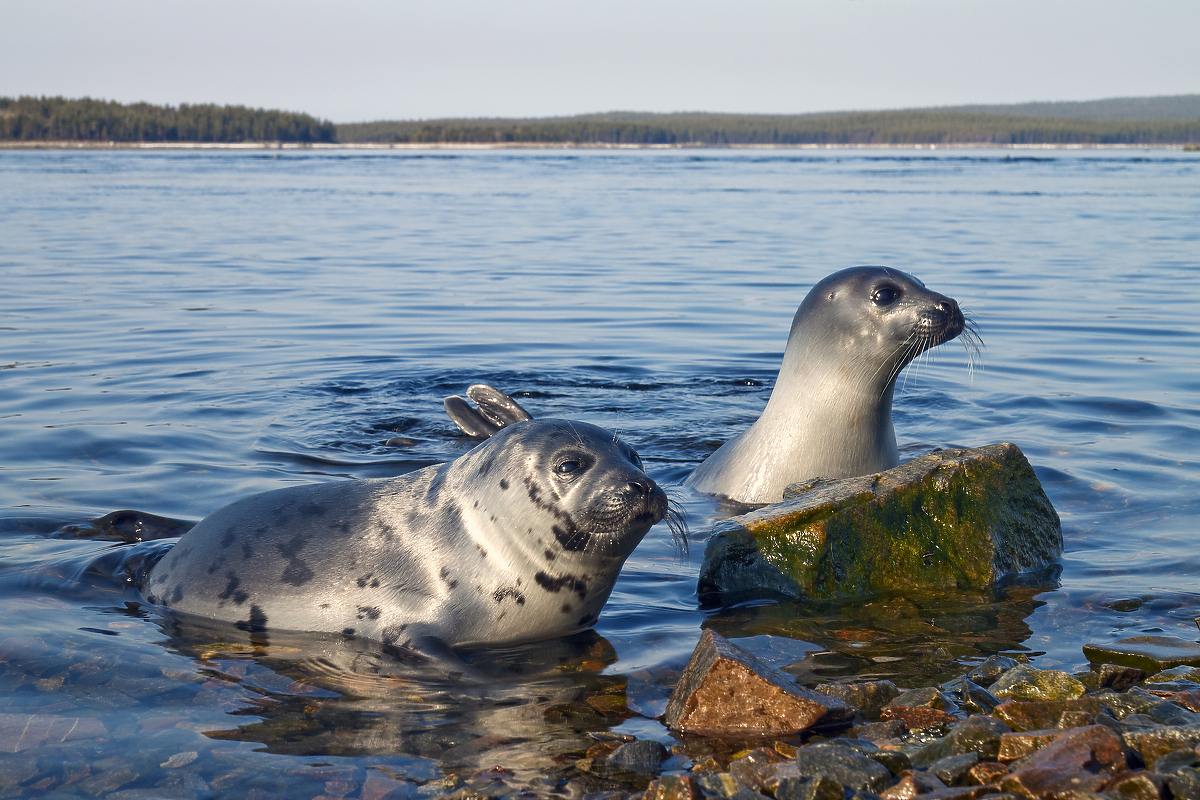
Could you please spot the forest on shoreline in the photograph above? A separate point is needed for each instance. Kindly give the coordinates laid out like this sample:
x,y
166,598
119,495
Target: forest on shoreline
x,y
49,119
1167,121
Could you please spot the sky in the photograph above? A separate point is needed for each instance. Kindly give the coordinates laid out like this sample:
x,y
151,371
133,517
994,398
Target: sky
x,y
361,60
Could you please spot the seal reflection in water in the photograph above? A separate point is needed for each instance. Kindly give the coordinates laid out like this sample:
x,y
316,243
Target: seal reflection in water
x,y
520,539
830,413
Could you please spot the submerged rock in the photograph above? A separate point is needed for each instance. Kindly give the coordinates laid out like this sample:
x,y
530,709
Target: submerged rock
x,y
725,691
1149,653
1026,683
954,518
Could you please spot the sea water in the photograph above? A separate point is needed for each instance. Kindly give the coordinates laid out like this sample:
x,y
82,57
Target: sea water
x,y
179,329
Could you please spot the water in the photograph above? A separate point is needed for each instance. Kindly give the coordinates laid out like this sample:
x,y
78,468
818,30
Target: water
x,y
180,329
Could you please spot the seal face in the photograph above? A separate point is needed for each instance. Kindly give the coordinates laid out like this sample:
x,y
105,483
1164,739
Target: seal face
x,y
520,539
830,413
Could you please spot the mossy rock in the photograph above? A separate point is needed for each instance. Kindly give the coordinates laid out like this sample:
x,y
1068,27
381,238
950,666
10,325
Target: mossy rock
x,y
950,519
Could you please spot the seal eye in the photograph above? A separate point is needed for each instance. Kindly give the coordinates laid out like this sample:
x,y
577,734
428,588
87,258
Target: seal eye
x,y
636,459
885,296
568,467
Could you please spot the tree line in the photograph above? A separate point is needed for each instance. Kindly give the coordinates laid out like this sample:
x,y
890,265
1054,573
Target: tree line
x,y
60,119
852,128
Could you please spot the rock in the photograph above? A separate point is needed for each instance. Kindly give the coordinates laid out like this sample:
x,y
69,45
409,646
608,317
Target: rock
x,y
726,787
1149,653
753,769
1140,785
644,755
1110,676
1183,673
970,695
913,784
817,787
1137,701
992,668
673,787
1189,699
1176,760
1028,715
878,731
1154,743
954,518
726,690
1026,683
925,698
868,697
986,773
842,764
1185,785
979,734
1083,759
952,769
1019,744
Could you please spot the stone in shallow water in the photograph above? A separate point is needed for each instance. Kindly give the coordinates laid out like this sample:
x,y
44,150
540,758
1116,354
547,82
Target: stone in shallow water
x,y
725,690
991,668
837,762
644,755
1026,683
1154,743
1032,715
868,696
1149,653
954,518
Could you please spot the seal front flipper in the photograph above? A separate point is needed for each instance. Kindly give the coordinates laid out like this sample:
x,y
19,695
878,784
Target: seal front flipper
x,y
496,410
443,659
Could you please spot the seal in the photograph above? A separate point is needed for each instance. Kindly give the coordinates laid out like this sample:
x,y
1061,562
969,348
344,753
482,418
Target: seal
x,y
830,412
520,539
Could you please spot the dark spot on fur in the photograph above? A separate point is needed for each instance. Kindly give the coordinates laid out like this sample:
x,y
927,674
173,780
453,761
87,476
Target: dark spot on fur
x,y
325,605
348,631
369,612
177,595
297,573
257,621
292,547
504,484
571,582
550,554
482,552
445,576
247,550
233,589
228,537
508,591
364,580
570,537
566,608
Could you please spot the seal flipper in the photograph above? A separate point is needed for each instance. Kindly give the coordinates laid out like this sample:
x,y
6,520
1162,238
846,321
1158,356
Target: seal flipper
x,y
496,410
470,421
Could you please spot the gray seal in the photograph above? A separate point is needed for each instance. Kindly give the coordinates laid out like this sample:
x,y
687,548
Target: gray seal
x,y
520,539
830,413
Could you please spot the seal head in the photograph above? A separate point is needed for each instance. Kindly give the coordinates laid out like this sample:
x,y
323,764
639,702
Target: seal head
x,y
520,539
830,413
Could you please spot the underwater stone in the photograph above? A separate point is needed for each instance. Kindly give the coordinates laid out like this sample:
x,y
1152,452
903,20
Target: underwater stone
x,y
1026,683
868,696
1149,653
991,668
954,518
1032,715
726,690
644,755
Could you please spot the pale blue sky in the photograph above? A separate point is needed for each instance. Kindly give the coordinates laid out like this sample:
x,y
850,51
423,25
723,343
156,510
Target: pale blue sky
x,y
357,60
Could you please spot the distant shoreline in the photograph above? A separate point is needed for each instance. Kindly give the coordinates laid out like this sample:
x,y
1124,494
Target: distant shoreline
x,y
91,145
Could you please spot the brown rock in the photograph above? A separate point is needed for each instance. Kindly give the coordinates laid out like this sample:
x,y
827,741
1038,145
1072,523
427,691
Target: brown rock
x,y
912,784
1083,759
986,773
1152,743
1140,785
1189,699
867,696
673,787
725,690
750,768
1032,715
1021,743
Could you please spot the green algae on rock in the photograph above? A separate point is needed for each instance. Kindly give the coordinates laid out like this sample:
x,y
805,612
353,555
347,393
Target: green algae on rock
x,y
953,518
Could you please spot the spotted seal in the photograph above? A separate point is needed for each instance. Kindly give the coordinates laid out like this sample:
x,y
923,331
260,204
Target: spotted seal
x,y
520,539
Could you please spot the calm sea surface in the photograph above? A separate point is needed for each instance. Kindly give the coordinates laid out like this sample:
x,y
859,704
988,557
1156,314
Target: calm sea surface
x,y
179,329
